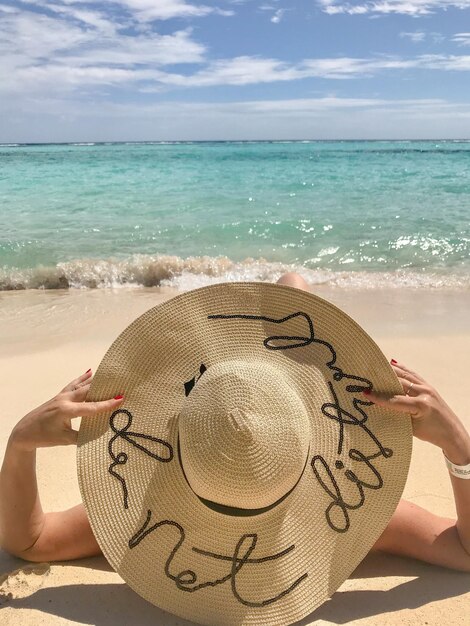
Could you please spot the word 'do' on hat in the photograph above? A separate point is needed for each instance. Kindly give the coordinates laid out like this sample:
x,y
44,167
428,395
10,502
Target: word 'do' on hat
x,y
246,475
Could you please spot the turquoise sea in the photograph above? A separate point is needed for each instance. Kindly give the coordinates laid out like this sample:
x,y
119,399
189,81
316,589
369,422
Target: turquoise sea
x,y
349,213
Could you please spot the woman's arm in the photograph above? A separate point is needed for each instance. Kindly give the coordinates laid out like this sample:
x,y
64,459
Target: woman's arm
x,y
416,533
413,531
25,530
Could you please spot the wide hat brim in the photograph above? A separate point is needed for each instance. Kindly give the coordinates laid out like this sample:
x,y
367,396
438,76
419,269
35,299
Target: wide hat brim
x,y
269,567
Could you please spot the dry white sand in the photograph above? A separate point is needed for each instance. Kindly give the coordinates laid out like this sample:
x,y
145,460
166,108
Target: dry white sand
x,y
48,338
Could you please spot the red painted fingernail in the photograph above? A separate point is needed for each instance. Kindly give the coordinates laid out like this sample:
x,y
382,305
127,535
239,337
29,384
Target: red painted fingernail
x,y
393,362
366,392
118,397
88,371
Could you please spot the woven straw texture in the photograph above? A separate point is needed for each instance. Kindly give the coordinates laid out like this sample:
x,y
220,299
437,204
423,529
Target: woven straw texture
x,y
246,475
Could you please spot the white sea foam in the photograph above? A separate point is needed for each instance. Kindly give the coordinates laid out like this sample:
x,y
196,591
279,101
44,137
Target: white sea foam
x,y
184,274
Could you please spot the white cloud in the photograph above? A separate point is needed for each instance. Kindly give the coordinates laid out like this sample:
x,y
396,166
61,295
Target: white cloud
x,y
463,39
243,70
149,10
415,37
40,52
343,68
32,36
140,10
143,49
278,15
445,62
414,8
95,19
247,70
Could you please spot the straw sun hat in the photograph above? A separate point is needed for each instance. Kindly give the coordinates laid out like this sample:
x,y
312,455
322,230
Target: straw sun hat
x,y
246,475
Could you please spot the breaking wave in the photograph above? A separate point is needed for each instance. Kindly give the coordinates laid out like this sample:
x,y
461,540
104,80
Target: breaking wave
x,y
184,274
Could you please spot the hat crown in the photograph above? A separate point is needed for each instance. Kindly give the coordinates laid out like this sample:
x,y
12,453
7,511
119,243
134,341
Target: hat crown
x,y
244,435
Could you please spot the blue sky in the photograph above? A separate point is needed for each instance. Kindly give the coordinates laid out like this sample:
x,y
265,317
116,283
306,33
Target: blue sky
x,y
73,70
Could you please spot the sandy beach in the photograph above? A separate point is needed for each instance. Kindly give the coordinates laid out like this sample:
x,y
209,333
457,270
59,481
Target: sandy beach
x,y
48,338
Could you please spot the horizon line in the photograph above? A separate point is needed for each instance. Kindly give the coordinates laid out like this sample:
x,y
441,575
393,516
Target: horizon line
x,y
176,141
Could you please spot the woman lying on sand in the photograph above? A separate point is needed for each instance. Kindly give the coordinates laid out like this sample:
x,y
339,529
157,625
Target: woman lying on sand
x,y
27,532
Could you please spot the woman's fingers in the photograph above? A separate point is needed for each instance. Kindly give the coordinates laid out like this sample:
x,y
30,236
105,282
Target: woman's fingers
x,y
84,383
78,381
405,372
411,388
76,408
89,409
70,437
406,404
80,393
409,376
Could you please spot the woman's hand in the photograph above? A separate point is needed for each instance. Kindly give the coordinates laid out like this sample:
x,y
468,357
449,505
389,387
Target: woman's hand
x,y
51,423
432,418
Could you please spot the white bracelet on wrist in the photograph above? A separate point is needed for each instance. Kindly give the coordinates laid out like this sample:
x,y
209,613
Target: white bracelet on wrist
x,y
460,471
